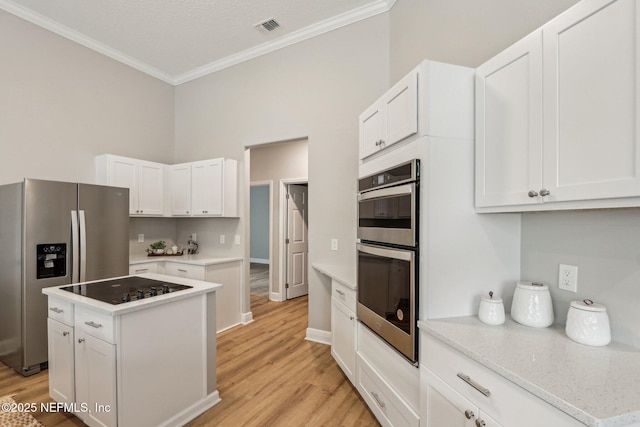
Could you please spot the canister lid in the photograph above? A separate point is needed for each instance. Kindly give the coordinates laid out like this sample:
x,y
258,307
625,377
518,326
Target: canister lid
x,y
532,286
588,305
492,300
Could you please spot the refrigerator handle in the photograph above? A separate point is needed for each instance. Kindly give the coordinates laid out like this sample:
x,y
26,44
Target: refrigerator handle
x,y
83,247
75,242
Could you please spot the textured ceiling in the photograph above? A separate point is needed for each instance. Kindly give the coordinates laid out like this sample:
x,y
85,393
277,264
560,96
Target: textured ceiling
x,y
177,40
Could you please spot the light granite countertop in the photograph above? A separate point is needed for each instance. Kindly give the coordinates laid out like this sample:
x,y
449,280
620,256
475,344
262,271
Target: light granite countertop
x,y
335,273
599,386
184,259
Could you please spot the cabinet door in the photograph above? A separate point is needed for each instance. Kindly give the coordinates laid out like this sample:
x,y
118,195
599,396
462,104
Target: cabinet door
x,y
592,148
96,379
343,338
61,362
446,407
180,176
370,130
123,172
207,187
150,188
400,105
509,125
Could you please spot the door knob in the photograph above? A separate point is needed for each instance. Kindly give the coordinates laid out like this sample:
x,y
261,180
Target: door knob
x,y
533,194
544,192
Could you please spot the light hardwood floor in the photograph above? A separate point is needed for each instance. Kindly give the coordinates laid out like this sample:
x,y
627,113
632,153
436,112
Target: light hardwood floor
x,y
268,375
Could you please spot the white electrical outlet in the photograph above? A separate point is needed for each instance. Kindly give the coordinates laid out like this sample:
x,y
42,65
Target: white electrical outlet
x,y
140,238
222,239
237,239
334,244
194,237
568,278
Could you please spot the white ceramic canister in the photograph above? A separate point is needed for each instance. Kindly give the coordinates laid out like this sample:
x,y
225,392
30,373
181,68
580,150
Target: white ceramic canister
x,y
491,310
531,305
588,323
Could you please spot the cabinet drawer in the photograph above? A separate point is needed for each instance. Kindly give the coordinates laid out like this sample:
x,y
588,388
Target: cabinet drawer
x,y
507,403
384,402
344,294
60,310
95,323
184,270
146,267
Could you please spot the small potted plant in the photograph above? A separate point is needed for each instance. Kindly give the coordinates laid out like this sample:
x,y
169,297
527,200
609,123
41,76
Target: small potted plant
x,y
158,247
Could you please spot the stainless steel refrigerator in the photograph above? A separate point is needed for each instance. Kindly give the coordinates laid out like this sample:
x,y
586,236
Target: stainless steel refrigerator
x,y
53,233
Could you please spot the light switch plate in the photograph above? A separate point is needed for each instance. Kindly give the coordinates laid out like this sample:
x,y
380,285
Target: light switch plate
x,y
334,244
222,239
237,239
140,238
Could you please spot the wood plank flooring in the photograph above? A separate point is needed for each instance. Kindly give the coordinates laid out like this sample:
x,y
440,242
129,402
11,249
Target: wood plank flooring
x,y
268,375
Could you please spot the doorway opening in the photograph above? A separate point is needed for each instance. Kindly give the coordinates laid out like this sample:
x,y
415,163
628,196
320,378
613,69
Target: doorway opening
x,y
260,238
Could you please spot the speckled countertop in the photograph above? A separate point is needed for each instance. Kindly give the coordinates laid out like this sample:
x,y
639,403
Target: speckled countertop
x,y
599,386
184,259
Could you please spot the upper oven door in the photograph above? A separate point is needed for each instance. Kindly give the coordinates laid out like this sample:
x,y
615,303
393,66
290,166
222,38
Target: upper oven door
x,y
389,215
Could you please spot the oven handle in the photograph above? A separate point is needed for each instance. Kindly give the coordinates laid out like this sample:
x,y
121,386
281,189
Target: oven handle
x,y
401,254
388,192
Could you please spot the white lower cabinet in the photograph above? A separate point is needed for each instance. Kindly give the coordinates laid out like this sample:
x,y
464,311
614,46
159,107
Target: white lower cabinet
x,y
452,384
188,271
95,376
388,382
61,364
146,267
343,337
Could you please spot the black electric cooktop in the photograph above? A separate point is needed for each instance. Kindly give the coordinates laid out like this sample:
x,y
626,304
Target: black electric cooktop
x,y
126,289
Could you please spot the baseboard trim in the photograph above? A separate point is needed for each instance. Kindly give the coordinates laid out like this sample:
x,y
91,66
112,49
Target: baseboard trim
x,y
276,296
319,336
246,318
259,261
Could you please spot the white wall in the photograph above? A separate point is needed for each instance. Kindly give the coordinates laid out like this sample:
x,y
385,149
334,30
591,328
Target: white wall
x,y
462,32
62,104
604,245
315,90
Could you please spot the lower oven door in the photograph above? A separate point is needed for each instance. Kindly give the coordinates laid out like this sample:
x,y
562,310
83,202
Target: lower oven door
x,y
387,295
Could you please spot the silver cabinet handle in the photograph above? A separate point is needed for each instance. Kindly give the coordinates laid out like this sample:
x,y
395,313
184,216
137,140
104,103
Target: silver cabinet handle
x,y
351,318
142,270
56,310
340,292
469,414
377,398
533,194
93,324
544,192
474,384
65,333
182,271
480,423
80,340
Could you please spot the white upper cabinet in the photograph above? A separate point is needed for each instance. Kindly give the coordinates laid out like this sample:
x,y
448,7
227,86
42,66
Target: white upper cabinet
x,y
557,114
430,100
145,181
180,188
509,125
205,188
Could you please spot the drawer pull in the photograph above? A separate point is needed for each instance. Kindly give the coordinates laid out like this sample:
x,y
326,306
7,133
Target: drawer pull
x,y
474,384
142,270
93,324
340,292
377,398
182,271
56,310
469,414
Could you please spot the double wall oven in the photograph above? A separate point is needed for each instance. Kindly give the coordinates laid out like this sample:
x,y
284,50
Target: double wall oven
x,y
388,225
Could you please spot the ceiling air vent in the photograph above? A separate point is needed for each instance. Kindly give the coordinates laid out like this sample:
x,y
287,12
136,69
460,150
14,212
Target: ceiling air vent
x,y
268,25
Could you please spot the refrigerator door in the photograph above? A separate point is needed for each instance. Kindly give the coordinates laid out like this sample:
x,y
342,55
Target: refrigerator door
x,y
46,258
104,231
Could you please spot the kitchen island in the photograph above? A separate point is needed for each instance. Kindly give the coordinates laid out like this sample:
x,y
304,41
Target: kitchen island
x,y
145,358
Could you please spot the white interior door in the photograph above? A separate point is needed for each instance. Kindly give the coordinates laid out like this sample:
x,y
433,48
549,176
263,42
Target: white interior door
x,y
297,243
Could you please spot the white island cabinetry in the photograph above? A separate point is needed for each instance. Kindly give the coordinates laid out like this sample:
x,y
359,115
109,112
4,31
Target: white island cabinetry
x,y
156,353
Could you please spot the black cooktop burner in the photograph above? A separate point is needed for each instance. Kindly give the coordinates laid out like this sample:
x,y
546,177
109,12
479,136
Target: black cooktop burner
x,y
118,291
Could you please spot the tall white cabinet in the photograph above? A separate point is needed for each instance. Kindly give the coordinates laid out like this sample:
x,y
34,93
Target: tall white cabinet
x,y
557,114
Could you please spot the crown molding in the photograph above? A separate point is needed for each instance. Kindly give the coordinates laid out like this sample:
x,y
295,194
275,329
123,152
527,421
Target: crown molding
x,y
364,12
66,32
339,21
